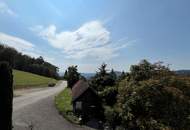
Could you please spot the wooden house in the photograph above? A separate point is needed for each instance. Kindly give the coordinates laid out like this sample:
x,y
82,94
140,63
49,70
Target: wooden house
x,y
85,100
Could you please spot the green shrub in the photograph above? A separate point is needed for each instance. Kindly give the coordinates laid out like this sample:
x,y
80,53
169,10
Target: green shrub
x,y
6,96
51,85
150,105
108,95
111,116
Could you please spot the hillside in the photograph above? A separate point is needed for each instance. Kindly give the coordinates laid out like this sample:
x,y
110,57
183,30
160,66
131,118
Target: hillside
x,y
87,75
24,79
183,72
26,63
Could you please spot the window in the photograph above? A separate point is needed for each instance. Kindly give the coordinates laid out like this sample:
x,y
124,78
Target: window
x,y
79,105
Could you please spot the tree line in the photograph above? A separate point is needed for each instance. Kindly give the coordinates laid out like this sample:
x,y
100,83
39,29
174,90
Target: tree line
x,y
26,63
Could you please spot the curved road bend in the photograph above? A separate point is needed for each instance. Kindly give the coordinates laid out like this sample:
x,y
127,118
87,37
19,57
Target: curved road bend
x,y
36,111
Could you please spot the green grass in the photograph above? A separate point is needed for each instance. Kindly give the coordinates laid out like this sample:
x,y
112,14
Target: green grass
x,y
24,79
64,106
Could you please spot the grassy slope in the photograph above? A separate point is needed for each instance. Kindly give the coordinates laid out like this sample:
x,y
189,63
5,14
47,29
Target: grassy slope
x,y
64,106
25,79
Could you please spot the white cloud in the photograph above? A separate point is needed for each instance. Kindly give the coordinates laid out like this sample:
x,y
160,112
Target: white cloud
x,y
36,54
91,40
4,9
16,42
23,46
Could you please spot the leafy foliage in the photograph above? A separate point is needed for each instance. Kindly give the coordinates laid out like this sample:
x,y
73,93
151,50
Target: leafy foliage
x,y
23,62
153,98
122,76
65,75
108,95
111,116
145,70
103,79
72,76
149,97
104,83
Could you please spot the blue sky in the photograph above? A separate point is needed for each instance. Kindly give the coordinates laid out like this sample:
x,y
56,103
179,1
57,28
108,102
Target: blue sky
x,y
87,33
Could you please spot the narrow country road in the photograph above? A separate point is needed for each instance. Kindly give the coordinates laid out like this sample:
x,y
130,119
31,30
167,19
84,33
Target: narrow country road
x,y
36,111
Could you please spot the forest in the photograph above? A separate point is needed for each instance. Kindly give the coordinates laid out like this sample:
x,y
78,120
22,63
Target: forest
x,y
26,63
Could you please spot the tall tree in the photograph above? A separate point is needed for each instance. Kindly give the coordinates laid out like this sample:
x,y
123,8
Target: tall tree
x,y
102,70
122,76
102,79
113,75
65,75
40,60
72,76
145,70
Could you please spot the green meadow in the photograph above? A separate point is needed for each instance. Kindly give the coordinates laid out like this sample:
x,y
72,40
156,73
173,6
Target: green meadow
x,y
25,80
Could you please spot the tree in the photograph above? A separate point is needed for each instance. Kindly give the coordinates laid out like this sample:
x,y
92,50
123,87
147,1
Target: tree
x,y
65,75
40,60
113,75
26,63
141,71
122,76
152,99
8,54
102,70
145,70
102,79
104,83
150,104
6,96
72,76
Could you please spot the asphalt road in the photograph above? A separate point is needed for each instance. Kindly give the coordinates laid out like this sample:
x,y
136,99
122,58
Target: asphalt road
x,y
36,111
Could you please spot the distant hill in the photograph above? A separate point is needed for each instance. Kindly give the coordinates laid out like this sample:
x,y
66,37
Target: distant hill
x,y
88,75
183,72
24,79
118,73
61,73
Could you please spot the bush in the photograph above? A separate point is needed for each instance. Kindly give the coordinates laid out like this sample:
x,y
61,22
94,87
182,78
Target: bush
x,y
6,96
51,84
150,105
111,116
108,95
149,97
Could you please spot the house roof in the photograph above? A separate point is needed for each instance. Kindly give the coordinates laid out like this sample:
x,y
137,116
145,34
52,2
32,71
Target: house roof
x,y
78,89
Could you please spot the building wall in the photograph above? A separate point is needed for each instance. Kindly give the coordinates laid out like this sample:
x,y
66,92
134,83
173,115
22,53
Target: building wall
x,y
90,104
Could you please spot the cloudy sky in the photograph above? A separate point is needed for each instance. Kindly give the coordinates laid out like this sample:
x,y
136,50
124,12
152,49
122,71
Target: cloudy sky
x,y
89,32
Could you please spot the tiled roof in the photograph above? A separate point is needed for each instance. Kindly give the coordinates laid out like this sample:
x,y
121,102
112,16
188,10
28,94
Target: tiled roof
x,y
78,89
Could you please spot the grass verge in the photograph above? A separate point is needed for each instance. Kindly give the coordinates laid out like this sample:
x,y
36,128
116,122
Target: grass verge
x,y
24,79
64,106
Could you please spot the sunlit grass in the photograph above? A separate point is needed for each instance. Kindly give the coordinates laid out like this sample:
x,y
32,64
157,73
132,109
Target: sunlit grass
x,y
24,79
64,106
